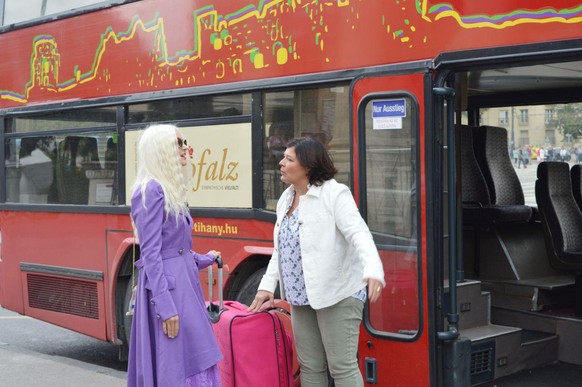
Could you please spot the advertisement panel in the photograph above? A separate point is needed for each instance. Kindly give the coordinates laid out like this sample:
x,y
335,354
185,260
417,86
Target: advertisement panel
x,y
219,170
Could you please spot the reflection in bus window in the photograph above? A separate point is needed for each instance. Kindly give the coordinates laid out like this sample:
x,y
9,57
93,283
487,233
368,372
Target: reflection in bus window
x,y
88,118
79,169
36,170
391,212
14,12
191,108
318,113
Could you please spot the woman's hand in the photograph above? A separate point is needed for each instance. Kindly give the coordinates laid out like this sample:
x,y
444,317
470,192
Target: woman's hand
x,y
374,289
171,326
260,298
215,253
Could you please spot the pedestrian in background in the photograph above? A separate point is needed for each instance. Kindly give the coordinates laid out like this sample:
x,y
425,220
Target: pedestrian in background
x,y
563,154
541,154
521,158
172,343
323,259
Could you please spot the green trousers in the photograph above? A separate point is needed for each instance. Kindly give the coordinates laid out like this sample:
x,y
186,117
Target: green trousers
x,y
328,338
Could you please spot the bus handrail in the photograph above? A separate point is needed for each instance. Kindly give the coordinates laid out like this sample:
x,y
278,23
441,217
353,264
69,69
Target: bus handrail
x,y
448,94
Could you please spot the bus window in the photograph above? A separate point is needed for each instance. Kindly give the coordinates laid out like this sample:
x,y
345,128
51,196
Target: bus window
x,y
537,133
190,108
61,120
318,113
14,12
391,210
45,166
73,169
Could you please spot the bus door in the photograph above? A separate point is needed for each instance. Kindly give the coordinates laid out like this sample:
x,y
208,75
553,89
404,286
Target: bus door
x,y
389,161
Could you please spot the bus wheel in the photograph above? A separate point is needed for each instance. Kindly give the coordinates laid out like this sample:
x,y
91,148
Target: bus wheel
x,y
248,290
127,319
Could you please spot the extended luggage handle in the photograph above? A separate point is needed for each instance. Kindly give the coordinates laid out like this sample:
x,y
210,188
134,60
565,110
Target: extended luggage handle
x,y
214,309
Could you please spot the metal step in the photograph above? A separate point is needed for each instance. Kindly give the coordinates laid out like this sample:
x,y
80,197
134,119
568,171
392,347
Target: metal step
x,y
537,349
533,294
473,304
498,351
491,348
565,326
503,346
488,332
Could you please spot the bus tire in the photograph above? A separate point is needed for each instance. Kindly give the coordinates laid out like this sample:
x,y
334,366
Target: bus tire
x,y
248,290
126,300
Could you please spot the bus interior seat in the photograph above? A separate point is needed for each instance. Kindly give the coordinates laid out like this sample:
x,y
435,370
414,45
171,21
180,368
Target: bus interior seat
x,y
478,210
502,181
476,191
475,195
76,154
576,177
562,221
474,187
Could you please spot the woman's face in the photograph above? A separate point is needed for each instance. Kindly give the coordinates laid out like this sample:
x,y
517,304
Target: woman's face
x,y
182,149
292,172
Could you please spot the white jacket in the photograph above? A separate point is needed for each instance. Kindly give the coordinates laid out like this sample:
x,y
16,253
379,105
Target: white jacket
x,y
337,249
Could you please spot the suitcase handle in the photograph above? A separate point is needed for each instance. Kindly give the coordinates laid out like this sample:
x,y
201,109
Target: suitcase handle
x,y
220,279
214,309
219,264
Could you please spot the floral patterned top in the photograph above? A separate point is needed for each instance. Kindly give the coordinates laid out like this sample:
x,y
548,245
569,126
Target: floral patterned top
x,y
290,259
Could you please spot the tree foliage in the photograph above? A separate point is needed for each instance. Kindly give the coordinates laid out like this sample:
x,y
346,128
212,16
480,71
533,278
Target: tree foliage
x,y
569,119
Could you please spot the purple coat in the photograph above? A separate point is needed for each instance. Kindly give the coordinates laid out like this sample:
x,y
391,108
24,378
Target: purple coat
x,y
168,285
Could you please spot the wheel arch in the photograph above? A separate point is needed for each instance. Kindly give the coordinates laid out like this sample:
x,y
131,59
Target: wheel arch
x,y
123,272
242,273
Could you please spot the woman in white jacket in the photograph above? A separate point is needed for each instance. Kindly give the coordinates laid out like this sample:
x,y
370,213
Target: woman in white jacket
x,y
323,259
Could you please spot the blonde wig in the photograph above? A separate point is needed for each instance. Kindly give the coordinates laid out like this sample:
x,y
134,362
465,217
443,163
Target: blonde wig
x,y
158,159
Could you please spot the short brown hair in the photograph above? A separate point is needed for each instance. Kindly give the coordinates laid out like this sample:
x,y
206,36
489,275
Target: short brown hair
x,y
313,156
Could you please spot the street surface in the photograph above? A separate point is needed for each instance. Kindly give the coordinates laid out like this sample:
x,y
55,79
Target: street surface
x,y
34,353
527,177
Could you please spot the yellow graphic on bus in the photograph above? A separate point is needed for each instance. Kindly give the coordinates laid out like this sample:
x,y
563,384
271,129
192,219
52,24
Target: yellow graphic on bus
x,y
215,229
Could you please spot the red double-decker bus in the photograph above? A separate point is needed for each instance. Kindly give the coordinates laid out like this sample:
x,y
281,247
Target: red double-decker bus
x,y
421,104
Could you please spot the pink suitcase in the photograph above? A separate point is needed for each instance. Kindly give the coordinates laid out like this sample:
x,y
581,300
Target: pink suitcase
x,y
256,348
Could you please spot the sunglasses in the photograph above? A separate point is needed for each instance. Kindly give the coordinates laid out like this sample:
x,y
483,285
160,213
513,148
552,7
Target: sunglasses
x,y
182,142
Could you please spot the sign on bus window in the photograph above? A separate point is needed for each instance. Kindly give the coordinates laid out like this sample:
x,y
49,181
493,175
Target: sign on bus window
x,y
388,114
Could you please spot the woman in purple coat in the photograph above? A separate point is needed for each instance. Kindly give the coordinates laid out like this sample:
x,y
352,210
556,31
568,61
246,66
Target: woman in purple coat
x,y
172,343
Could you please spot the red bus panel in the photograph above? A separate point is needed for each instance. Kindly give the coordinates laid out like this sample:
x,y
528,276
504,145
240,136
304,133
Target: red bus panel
x,y
148,46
